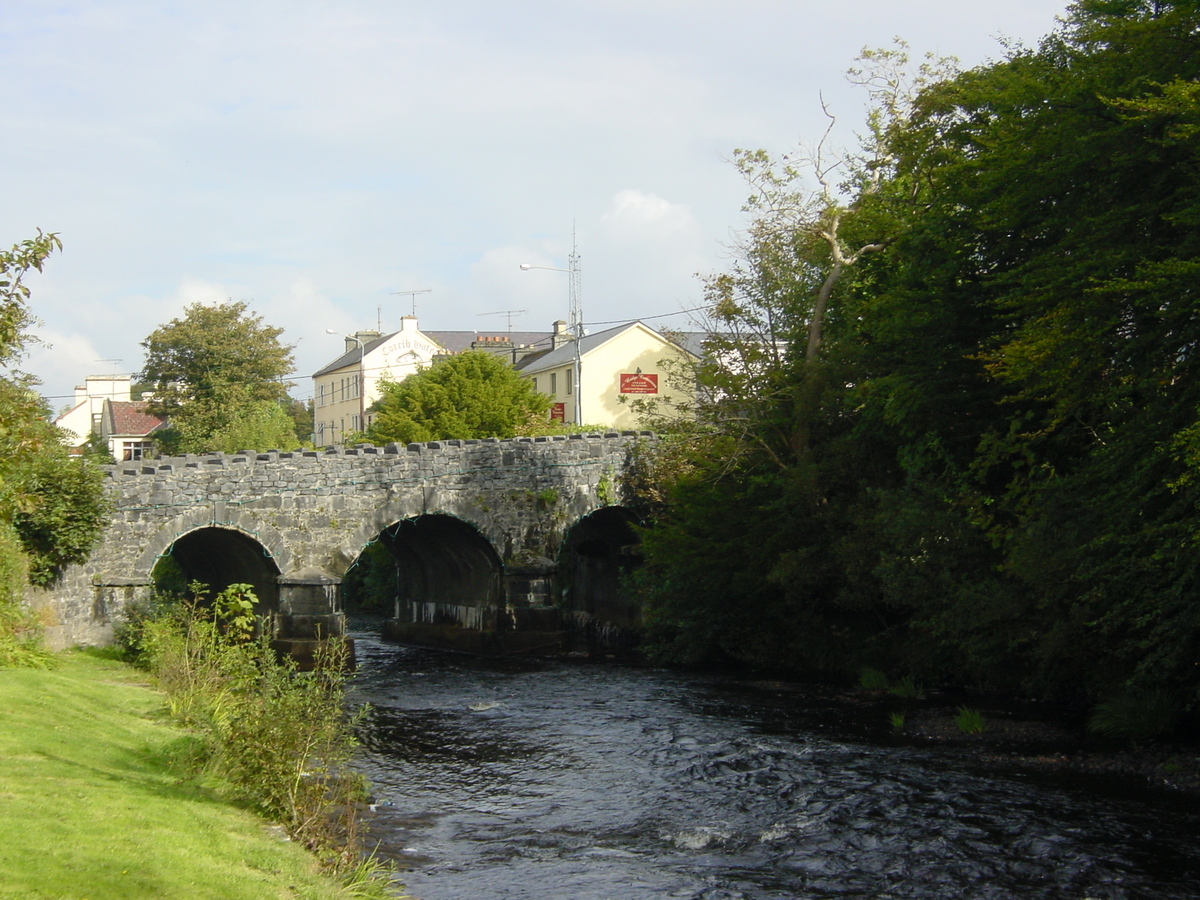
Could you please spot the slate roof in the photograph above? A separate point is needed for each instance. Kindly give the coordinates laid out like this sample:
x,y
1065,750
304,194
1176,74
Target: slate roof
x,y
449,341
565,354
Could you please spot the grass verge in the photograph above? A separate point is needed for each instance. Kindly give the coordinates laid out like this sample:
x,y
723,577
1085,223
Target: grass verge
x,y
99,805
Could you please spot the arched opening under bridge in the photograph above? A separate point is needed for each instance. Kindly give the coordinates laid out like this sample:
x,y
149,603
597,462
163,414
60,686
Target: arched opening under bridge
x,y
218,557
443,573
597,555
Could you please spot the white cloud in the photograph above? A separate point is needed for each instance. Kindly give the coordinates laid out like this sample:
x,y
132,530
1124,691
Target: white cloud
x,y
313,158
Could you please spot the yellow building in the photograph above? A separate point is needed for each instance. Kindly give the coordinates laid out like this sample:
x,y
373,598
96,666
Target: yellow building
x,y
593,383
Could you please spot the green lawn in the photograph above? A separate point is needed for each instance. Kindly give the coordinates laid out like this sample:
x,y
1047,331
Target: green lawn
x,y
95,805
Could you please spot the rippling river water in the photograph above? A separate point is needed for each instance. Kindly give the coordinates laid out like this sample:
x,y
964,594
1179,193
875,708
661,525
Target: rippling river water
x,y
562,781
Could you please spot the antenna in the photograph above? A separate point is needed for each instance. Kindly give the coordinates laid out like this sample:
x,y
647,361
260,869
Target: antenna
x,y
413,294
506,312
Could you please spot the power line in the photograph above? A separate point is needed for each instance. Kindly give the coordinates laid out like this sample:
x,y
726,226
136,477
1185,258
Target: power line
x,y
643,318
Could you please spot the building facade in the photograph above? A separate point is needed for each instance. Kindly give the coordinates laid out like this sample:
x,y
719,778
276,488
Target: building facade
x,y
593,382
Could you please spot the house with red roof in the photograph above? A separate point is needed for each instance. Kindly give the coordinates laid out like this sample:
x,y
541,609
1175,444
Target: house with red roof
x,y
127,426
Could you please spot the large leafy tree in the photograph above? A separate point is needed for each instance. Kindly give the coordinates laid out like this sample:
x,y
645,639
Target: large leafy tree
x,y
218,374
1070,175
52,507
471,395
997,481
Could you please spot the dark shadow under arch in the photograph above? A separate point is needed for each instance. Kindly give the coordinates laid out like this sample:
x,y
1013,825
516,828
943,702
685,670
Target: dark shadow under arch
x,y
598,552
445,572
219,557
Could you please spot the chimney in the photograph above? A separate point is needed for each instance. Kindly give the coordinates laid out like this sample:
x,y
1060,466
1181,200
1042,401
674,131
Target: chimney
x,y
560,336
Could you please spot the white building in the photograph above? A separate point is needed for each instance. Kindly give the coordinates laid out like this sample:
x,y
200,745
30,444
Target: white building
x,y
104,406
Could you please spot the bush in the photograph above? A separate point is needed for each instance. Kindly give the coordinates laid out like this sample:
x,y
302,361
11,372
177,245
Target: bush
x,y
276,736
970,721
1137,716
872,679
20,636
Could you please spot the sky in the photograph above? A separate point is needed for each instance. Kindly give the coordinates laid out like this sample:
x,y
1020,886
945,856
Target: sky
x,y
319,160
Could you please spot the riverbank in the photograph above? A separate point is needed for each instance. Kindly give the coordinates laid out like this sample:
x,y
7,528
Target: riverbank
x,y
99,803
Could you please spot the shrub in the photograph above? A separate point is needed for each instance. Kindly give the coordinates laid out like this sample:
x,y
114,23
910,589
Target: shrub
x,y
20,636
907,689
970,721
872,679
1135,715
278,737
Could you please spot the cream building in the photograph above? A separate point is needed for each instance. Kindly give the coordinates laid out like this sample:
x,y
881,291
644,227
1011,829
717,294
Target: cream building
x,y
83,418
104,406
605,372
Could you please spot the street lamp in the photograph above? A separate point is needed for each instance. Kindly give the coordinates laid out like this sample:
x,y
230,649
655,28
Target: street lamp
x,y
362,376
576,318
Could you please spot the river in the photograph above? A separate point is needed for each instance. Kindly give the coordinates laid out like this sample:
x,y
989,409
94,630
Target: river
x,y
555,780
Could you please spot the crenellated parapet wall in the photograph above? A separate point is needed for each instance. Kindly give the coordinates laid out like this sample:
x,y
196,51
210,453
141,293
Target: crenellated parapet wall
x,y
310,513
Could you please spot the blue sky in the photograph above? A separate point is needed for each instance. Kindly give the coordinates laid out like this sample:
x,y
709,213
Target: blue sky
x,y
313,157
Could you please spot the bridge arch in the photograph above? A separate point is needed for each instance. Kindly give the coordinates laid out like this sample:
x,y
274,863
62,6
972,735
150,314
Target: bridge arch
x,y
218,556
166,536
599,551
446,572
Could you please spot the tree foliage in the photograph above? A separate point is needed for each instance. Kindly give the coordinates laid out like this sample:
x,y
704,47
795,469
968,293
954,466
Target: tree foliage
x,y
52,507
218,374
471,395
994,480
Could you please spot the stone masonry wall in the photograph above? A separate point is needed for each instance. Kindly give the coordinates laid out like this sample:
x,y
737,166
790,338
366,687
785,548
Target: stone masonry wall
x,y
313,511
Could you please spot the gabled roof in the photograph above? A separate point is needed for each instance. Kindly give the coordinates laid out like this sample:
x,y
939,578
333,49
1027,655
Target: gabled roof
x,y
458,341
565,354
129,417
449,341
351,356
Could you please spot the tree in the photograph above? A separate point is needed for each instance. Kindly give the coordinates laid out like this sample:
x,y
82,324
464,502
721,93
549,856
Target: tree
x,y
774,480
995,477
1069,172
52,508
471,395
218,376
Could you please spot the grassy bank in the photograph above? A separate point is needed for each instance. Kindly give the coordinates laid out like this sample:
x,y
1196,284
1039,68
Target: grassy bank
x,y
97,803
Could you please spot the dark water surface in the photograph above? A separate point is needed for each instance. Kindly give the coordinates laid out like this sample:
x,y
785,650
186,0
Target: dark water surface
x,y
557,780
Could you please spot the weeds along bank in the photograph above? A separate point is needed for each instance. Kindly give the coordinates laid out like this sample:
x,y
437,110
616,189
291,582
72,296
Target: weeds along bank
x,y
275,738
102,799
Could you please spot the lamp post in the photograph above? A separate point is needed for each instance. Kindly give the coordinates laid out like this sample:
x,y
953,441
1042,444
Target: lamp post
x,y
576,319
362,376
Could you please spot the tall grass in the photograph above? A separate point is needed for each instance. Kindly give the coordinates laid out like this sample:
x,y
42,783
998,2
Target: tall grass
x,y
1137,716
278,737
20,631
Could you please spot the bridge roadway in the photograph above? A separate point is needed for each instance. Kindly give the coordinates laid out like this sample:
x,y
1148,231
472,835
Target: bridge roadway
x,y
493,538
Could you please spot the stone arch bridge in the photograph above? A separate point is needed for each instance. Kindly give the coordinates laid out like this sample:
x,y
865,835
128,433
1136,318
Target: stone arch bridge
x,y
500,545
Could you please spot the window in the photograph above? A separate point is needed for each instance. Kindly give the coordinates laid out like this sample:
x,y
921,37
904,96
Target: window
x,y
554,384
135,450
570,378
535,382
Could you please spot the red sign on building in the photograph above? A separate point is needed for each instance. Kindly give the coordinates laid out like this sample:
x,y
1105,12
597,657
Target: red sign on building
x,y
558,412
639,384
